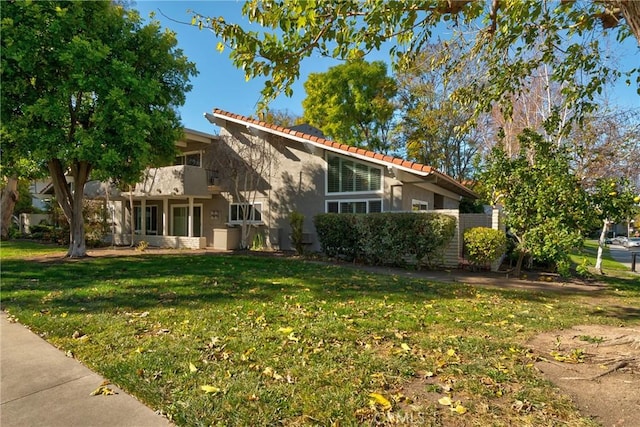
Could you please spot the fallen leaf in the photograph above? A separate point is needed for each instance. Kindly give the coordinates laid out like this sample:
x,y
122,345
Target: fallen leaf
x,y
210,389
380,400
459,409
192,367
405,347
285,331
102,391
446,400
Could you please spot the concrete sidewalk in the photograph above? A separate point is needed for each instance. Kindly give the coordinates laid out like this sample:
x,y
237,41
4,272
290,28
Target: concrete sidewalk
x,y
40,386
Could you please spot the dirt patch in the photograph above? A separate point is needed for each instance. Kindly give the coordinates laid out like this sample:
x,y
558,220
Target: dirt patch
x,y
598,366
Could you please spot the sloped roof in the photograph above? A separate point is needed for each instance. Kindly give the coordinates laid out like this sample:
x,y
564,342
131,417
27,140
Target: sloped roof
x,y
391,162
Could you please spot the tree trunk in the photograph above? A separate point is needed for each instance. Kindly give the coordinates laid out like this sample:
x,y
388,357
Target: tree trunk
x,y
603,233
71,203
8,200
630,9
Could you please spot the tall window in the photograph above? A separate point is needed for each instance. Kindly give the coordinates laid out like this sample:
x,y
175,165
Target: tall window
x,y
354,206
346,176
239,212
151,219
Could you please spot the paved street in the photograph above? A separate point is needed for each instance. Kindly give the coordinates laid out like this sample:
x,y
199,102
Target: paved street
x,y
623,256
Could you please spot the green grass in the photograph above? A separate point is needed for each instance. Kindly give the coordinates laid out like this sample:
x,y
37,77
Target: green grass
x,y
299,343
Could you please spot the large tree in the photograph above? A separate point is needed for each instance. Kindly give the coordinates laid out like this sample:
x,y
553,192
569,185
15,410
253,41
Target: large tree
x,y
87,88
512,39
352,103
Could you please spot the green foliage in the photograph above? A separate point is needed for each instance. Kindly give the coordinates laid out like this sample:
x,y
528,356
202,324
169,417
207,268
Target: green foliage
x,y
296,220
351,103
88,89
484,245
511,43
468,205
386,238
614,199
547,209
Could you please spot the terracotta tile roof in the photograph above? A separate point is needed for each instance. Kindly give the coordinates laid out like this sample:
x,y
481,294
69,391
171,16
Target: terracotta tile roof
x,y
418,167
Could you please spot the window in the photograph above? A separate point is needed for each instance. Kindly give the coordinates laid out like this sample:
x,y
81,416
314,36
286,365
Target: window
x,y
180,220
239,212
354,206
347,176
189,159
151,219
419,205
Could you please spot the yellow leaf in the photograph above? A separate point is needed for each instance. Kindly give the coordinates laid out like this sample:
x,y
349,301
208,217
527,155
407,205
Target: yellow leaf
x,y
451,352
285,331
380,400
192,367
445,401
405,347
102,391
459,409
64,314
220,47
292,337
210,389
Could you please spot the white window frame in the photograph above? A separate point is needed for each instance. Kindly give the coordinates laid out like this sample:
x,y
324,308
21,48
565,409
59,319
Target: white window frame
x,y
138,219
339,201
257,206
419,203
340,193
195,205
189,153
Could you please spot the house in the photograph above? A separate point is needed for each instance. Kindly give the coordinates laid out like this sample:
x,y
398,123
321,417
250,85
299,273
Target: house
x,y
239,187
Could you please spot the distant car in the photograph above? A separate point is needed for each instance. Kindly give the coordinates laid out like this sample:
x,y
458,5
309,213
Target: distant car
x,y
633,242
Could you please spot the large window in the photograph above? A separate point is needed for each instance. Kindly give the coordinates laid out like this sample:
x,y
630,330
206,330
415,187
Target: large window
x,y
240,212
346,176
354,206
189,159
180,220
151,219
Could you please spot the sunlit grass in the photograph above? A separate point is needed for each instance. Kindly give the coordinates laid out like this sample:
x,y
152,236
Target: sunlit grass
x,y
283,341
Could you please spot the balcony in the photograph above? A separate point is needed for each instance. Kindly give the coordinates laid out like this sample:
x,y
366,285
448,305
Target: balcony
x,y
173,181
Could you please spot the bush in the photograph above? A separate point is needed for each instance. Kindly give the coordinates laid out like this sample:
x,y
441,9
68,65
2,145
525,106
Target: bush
x,y
484,245
296,220
385,238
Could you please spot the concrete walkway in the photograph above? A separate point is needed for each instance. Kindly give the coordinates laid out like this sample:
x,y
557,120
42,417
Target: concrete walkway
x,y
40,386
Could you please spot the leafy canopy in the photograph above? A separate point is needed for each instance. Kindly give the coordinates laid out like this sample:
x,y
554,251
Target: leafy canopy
x,y
88,82
512,39
547,209
352,103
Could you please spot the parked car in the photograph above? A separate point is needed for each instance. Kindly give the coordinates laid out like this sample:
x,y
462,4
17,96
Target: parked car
x,y
633,242
619,240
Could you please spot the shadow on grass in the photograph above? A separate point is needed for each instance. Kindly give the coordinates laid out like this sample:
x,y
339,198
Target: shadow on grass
x,y
137,283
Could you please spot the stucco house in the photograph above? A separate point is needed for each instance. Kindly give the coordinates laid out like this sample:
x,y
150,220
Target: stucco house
x,y
253,174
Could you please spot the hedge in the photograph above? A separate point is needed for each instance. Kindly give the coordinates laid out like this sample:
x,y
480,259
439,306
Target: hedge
x,y
484,245
385,238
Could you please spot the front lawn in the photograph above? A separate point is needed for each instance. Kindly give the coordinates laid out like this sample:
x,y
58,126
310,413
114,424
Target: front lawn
x,y
252,340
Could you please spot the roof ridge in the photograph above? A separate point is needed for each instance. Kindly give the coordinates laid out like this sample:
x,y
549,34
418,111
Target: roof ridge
x,y
335,144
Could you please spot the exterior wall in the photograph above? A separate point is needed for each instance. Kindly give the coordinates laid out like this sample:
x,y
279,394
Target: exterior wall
x,y
28,220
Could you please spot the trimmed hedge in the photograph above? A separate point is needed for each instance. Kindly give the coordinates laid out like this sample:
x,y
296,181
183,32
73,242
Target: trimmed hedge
x,y
385,238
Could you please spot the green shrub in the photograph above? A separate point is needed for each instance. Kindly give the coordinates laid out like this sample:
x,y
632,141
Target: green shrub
x,y
484,245
296,220
385,238
337,234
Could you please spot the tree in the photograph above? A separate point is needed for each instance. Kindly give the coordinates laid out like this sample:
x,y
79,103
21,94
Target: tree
x,y
432,125
547,210
284,118
613,200
511,40
87,89
352,103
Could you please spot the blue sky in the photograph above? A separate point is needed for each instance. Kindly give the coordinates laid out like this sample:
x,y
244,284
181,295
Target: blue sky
x,y
221,85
